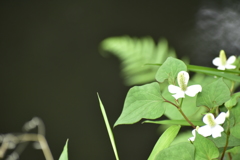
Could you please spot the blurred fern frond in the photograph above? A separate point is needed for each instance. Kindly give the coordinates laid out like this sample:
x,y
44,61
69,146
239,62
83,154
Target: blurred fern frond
x,y
135,53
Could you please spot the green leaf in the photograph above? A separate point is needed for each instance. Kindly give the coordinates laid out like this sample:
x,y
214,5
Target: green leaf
x,y
235,157
182,137
233,100
234,150
142,102
214,72
169,70
205,149
164,141
214,94
180,151
202,79
64,155
234,117
235,131
110,133
234,114
134,53
175,122
221,141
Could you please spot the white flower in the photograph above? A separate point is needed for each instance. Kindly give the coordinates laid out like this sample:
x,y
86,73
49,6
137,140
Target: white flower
x,y
183,89
212,126
194,134
222,63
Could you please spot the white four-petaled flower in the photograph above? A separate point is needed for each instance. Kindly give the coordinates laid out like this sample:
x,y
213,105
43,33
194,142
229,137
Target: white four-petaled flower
x,y
222,61
183,89
212,126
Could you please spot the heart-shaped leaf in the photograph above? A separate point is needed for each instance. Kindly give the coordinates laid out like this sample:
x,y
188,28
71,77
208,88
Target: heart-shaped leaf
x,y
213,94
142,102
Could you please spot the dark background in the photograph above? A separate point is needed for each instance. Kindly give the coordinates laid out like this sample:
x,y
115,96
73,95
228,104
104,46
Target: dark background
x,y
50,67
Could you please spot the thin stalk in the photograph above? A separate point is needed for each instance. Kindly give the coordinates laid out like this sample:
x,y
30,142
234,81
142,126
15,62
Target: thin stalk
x,y
181,103
226,145
180,110
230,156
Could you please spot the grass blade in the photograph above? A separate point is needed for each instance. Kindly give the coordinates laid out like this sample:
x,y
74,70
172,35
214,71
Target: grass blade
x,y
227,74
64,155
214,72
108,128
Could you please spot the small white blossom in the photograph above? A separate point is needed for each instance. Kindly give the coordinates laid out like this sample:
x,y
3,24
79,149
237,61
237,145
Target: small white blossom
x,y
212,126
183,89
194,134
222,63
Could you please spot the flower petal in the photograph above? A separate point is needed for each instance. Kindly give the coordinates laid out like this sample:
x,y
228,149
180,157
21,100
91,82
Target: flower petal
x,y
216,61
177,90
194,132
221,118
221,67
194,135
231,60
205,130
193,90
216,134
216,131
174,89
229,66
191,139
180,94
206,118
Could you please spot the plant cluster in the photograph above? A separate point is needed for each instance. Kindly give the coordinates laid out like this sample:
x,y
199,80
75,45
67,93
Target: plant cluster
x,y
208,103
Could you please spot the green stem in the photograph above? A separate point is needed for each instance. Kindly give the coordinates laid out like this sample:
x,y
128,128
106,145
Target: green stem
x,y
181,103
226,145
229,155
225,148
180,110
